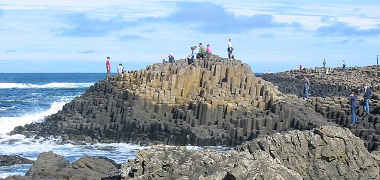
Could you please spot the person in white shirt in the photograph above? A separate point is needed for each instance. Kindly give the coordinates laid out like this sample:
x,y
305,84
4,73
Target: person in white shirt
x,y
229,49
120,69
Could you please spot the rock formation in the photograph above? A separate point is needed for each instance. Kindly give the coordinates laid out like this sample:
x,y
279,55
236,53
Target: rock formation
x,y
8,160
323,153
330,92
50,166
216,101
327,152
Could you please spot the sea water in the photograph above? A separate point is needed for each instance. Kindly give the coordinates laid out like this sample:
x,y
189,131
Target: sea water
x,y
28,98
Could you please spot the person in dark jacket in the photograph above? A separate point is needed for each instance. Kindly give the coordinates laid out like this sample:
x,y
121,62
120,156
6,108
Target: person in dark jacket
x,y
367,97
354,105
306,88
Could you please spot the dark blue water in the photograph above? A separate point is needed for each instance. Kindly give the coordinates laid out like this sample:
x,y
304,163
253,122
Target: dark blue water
x,y
28,98
29,92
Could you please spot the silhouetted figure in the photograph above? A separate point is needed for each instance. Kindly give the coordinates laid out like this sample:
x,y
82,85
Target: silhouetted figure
x,y
324,62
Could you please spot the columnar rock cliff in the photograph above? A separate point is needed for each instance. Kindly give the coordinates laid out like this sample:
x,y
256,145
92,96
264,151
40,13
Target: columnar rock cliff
x,y
216,101
330,93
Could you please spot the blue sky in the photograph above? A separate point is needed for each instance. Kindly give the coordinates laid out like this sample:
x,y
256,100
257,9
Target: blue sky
x,y
76,36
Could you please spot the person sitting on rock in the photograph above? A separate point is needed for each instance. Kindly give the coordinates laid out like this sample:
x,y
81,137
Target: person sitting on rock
x,y
353,102
171,58
367,97
201,52
306,88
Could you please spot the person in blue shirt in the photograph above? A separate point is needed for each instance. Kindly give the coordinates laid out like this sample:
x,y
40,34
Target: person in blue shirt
x,y
367,97
354,105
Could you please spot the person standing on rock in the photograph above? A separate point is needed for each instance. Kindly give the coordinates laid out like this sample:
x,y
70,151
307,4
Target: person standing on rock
x,y
171,58
201,52
344,65
367,96
353,102
229,48
120,69
324,63
108,66
306,88
209,50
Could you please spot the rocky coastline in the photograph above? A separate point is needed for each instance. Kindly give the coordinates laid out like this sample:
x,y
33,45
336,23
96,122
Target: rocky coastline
x,y
275,134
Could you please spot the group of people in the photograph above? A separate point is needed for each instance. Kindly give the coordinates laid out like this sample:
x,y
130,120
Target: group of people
x,y
344,65
120,68
354,102
203,52
353,99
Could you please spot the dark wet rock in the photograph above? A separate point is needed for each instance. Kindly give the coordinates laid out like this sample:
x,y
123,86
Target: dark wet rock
x,y
327,152
214,102
54,167
8,160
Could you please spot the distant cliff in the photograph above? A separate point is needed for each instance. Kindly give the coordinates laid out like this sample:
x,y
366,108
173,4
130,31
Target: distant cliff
x,y
216,101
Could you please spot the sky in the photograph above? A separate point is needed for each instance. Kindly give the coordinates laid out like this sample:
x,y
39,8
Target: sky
x,y
45,36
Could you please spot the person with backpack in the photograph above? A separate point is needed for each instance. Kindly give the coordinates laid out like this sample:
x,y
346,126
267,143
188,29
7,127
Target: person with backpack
x,y
353,102
367,97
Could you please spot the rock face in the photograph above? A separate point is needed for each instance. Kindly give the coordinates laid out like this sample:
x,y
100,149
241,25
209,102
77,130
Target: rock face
x,y
6,160
324,153
52,166
213,102
330,93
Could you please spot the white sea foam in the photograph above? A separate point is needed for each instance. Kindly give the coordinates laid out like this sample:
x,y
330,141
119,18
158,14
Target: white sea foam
x,y
7,108
49,85
9,123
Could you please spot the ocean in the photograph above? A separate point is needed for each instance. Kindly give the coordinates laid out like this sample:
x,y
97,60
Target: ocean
x,y
27,98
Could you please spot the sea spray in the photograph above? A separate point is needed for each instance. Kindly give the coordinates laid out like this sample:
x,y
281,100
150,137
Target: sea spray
x,y
9,123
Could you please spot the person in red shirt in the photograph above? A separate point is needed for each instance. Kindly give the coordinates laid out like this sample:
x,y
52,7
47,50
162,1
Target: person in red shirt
x,y
108,65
